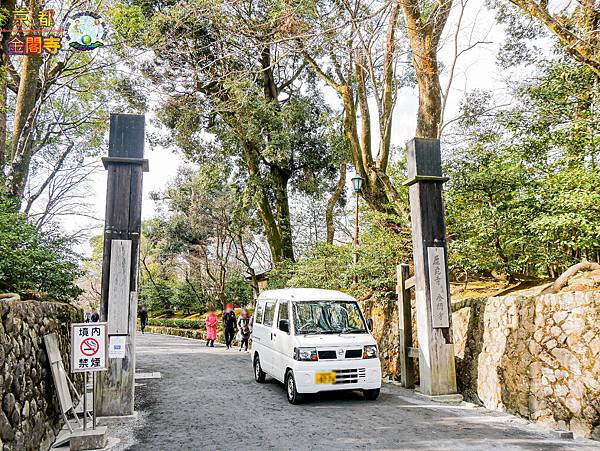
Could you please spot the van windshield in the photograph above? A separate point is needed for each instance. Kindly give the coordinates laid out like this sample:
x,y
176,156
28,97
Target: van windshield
x,y
328,317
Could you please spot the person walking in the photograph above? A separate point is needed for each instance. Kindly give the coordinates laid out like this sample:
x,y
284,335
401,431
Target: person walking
x,y
95,317
143,316
211,322
245,327
229,324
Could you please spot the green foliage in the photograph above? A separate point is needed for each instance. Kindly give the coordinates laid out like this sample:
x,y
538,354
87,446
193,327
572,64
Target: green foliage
x,y
177,323
237,290
523,197
382,246
326,266
158,295
34,263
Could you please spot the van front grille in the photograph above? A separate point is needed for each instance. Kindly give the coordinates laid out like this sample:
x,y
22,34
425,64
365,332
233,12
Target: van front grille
x,y
350,376
324,355
353,353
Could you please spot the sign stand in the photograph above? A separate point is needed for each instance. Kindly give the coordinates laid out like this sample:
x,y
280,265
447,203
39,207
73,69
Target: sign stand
x,y
89,354
94,400
85,400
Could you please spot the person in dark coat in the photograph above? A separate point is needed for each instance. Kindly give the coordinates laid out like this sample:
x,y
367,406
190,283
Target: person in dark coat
x,y
229,325
143,316
95,317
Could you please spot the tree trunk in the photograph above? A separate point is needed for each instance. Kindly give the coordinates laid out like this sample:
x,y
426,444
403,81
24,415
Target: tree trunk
x,y
280,185
261,200
333,200
424,29
563,279
429,116
2,123
24,118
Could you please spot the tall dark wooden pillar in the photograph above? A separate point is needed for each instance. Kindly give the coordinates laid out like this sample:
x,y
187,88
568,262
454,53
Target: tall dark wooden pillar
x,y
125,165
432,290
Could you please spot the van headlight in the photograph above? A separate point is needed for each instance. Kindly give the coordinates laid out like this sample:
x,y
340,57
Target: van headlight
x,y
306,354
370,352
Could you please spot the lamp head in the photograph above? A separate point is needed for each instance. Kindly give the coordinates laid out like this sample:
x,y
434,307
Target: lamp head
x,y
357,182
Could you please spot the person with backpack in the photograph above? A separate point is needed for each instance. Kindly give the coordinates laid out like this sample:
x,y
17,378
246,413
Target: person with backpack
x,y
229,325
245,327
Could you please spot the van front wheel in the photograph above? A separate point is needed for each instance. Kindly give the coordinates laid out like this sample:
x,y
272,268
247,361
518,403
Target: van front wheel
x,y
290,388
259,374
371,395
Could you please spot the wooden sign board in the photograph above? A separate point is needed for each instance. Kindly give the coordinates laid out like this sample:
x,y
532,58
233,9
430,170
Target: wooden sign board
x,y
118,288
58,372
438,287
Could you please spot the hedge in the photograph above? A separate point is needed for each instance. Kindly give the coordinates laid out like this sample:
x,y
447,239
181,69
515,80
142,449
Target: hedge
x,y
178,323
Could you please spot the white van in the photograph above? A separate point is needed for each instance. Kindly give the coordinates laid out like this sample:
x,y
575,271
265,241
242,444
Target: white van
x,y
314,340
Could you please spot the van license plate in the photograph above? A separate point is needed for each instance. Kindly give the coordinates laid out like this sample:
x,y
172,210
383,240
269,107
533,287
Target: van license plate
x,y
325,378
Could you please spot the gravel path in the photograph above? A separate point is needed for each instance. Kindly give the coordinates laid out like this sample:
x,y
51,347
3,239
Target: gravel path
x,y
207,399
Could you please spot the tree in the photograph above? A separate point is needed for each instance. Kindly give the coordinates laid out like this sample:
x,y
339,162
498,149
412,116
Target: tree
x,y
57,106
354,49
206,226
577,27
34,264
234,81
523,193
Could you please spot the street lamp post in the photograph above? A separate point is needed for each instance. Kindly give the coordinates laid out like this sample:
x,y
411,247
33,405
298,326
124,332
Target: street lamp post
x,y
357,182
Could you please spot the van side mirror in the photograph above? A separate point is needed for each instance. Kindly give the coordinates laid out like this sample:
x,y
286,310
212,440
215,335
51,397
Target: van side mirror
x,y
284,325
370,324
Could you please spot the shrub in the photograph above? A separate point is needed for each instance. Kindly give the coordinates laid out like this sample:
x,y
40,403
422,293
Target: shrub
x,y
177,323
34,263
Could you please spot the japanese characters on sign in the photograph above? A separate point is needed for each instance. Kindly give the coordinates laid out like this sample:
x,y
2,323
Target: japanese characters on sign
x,y
438,288
37,43
89,347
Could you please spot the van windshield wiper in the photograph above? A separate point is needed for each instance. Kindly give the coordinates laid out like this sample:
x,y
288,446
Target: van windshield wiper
x,y
311,332
351,330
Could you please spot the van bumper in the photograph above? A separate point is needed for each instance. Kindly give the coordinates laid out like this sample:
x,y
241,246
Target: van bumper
x,y
364,374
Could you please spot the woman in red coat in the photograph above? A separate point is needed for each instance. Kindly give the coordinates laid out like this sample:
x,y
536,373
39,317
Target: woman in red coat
x,y
211,328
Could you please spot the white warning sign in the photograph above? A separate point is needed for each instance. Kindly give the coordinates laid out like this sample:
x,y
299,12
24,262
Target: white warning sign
x,y
88,347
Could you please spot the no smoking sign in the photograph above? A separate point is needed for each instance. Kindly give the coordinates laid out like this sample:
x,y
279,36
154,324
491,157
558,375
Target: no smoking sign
x,y
88,347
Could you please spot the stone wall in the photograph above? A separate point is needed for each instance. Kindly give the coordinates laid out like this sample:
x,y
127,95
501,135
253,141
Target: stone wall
x,y
536,356
30,415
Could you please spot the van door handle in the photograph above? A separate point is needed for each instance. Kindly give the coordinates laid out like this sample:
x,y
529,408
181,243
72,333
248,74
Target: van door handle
x,y
273,335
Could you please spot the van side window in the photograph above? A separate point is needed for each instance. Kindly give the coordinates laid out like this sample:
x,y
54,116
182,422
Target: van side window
x,y
269,313
283,312
260,310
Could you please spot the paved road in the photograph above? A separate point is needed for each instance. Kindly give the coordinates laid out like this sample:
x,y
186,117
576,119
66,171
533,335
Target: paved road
x,y
207,399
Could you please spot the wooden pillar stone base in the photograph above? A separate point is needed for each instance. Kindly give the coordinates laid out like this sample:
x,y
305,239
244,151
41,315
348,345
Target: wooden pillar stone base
x,y
125,165
434,315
